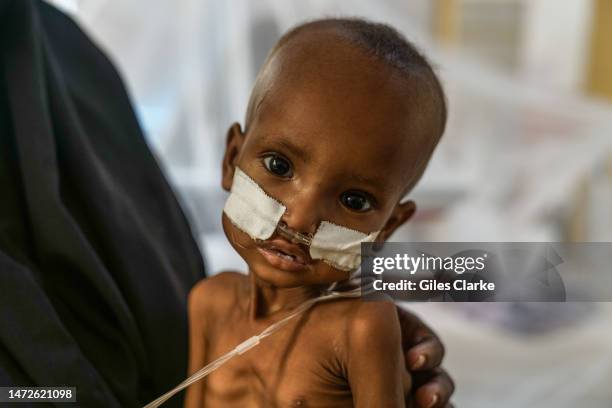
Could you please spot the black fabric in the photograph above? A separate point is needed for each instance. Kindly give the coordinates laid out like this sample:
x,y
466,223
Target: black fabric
x,y
96,256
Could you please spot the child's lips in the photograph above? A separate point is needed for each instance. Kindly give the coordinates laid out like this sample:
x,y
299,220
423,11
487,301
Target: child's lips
x,y
284,255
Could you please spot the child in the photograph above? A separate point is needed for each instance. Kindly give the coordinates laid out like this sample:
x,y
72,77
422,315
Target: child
x,y
342,120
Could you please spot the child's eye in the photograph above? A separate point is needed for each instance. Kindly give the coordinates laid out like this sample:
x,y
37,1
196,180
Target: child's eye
x,y
356,201
278,165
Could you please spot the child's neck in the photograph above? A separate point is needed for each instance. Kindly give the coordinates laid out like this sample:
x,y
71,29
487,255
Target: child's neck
x,y
266,299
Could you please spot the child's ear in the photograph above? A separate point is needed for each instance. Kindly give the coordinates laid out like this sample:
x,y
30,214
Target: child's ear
x,y
400,215
233,144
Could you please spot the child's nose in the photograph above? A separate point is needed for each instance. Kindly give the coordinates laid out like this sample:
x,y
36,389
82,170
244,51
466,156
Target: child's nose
x,y
303,213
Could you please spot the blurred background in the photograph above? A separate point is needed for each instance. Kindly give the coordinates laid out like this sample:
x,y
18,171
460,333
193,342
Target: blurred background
x,y
527,155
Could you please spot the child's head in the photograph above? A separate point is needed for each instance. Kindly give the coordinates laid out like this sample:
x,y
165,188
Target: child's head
x,y
342,120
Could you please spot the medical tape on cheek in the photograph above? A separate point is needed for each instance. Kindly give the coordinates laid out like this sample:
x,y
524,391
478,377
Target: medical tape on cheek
x,y
339,246
257,214
250,209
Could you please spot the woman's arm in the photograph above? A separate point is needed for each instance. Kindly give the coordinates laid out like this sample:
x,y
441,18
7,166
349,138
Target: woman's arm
x,y
375,366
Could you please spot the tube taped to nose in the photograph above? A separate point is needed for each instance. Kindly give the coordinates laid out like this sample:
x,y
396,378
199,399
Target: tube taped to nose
x,y
250,209
257,214
339,246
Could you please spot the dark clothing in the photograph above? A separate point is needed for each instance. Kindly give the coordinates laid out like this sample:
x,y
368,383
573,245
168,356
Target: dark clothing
x,y
96,256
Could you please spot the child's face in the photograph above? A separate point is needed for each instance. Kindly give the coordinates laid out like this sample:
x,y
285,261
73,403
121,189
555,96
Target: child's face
x,y
337,144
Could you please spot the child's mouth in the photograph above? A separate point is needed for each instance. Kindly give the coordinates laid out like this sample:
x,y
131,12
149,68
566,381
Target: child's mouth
x,y
283,255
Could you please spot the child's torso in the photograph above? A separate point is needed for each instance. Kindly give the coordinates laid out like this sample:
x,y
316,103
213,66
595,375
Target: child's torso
x,y
301,365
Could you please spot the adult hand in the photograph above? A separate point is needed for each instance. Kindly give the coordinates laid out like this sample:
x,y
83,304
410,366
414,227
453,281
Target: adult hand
x,y
432,387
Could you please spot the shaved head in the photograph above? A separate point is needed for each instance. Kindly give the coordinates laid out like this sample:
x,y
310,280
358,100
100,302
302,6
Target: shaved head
x,y
345,55
379,41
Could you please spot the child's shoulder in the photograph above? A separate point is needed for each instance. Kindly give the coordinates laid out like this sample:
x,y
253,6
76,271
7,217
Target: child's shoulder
x,y
373,342
359,310
374,318
216,291
362,319
360,334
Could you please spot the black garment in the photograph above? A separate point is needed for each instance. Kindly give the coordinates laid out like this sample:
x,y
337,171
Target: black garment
x,y
96,256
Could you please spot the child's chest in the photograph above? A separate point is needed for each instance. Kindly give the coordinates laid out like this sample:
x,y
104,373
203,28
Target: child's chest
x,y
301,365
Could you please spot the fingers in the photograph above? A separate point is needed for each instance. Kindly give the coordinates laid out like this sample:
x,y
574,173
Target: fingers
x,y
426,355
435,391
423,350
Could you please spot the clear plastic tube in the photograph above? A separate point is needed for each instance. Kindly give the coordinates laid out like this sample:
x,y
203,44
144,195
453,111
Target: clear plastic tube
x,y
293,236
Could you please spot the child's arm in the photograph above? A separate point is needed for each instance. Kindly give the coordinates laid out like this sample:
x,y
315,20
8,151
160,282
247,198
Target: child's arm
x,y
376,370
196,309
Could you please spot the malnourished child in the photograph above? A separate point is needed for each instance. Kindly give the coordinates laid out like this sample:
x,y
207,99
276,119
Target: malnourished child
x,y
342,120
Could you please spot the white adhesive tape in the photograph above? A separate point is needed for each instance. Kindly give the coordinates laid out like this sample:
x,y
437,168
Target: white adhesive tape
x,y
250,209
257,214
338,245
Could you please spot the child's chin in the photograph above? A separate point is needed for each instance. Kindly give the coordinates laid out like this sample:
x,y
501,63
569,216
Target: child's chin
x,y
318,275
278,277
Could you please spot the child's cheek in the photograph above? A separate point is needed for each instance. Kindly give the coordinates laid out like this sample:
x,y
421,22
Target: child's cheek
x,y
238,239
